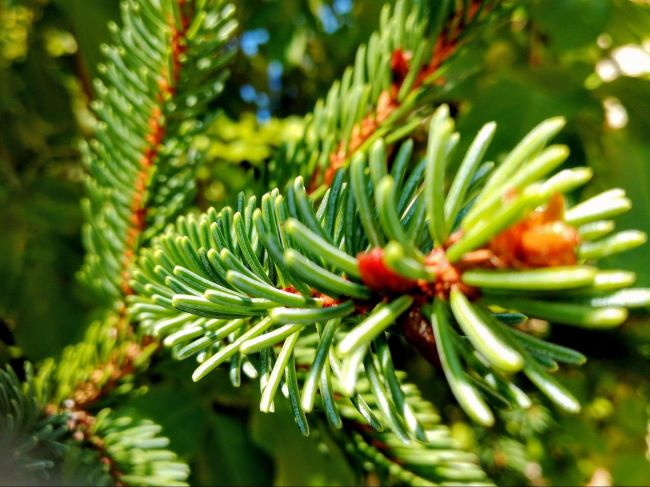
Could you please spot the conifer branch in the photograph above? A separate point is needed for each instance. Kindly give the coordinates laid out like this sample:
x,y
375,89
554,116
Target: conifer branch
x,y
308,288
227,285
131,452
166,66
41,445
96,371
90,370
168,60
388,90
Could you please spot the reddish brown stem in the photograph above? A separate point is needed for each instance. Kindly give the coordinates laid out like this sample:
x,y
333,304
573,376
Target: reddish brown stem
x,y
155,139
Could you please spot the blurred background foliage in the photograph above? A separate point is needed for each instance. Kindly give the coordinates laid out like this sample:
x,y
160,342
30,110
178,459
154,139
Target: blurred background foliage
x,y
588,61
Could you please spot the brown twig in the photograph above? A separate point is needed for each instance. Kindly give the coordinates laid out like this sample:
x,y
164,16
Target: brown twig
x,y
155,139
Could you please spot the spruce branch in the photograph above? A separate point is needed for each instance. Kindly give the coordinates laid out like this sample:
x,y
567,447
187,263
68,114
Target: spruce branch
x,y
131,451
168,59
357,261
41,443
94,372
302,288
166,66
387,92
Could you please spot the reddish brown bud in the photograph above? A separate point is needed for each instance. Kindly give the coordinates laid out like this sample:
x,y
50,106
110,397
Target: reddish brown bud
x,y
542,239
378,277
399,65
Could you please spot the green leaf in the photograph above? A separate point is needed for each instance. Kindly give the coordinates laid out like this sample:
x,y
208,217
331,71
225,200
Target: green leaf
x,y
323,279
550,350
546,279
463,179
311,315
525,149
440,130
619,242
381,318
484,335
277,373
327,251
463,390
567,313
551,388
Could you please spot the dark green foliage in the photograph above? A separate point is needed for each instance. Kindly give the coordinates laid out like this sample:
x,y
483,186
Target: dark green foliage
x,y
30,438
39,180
